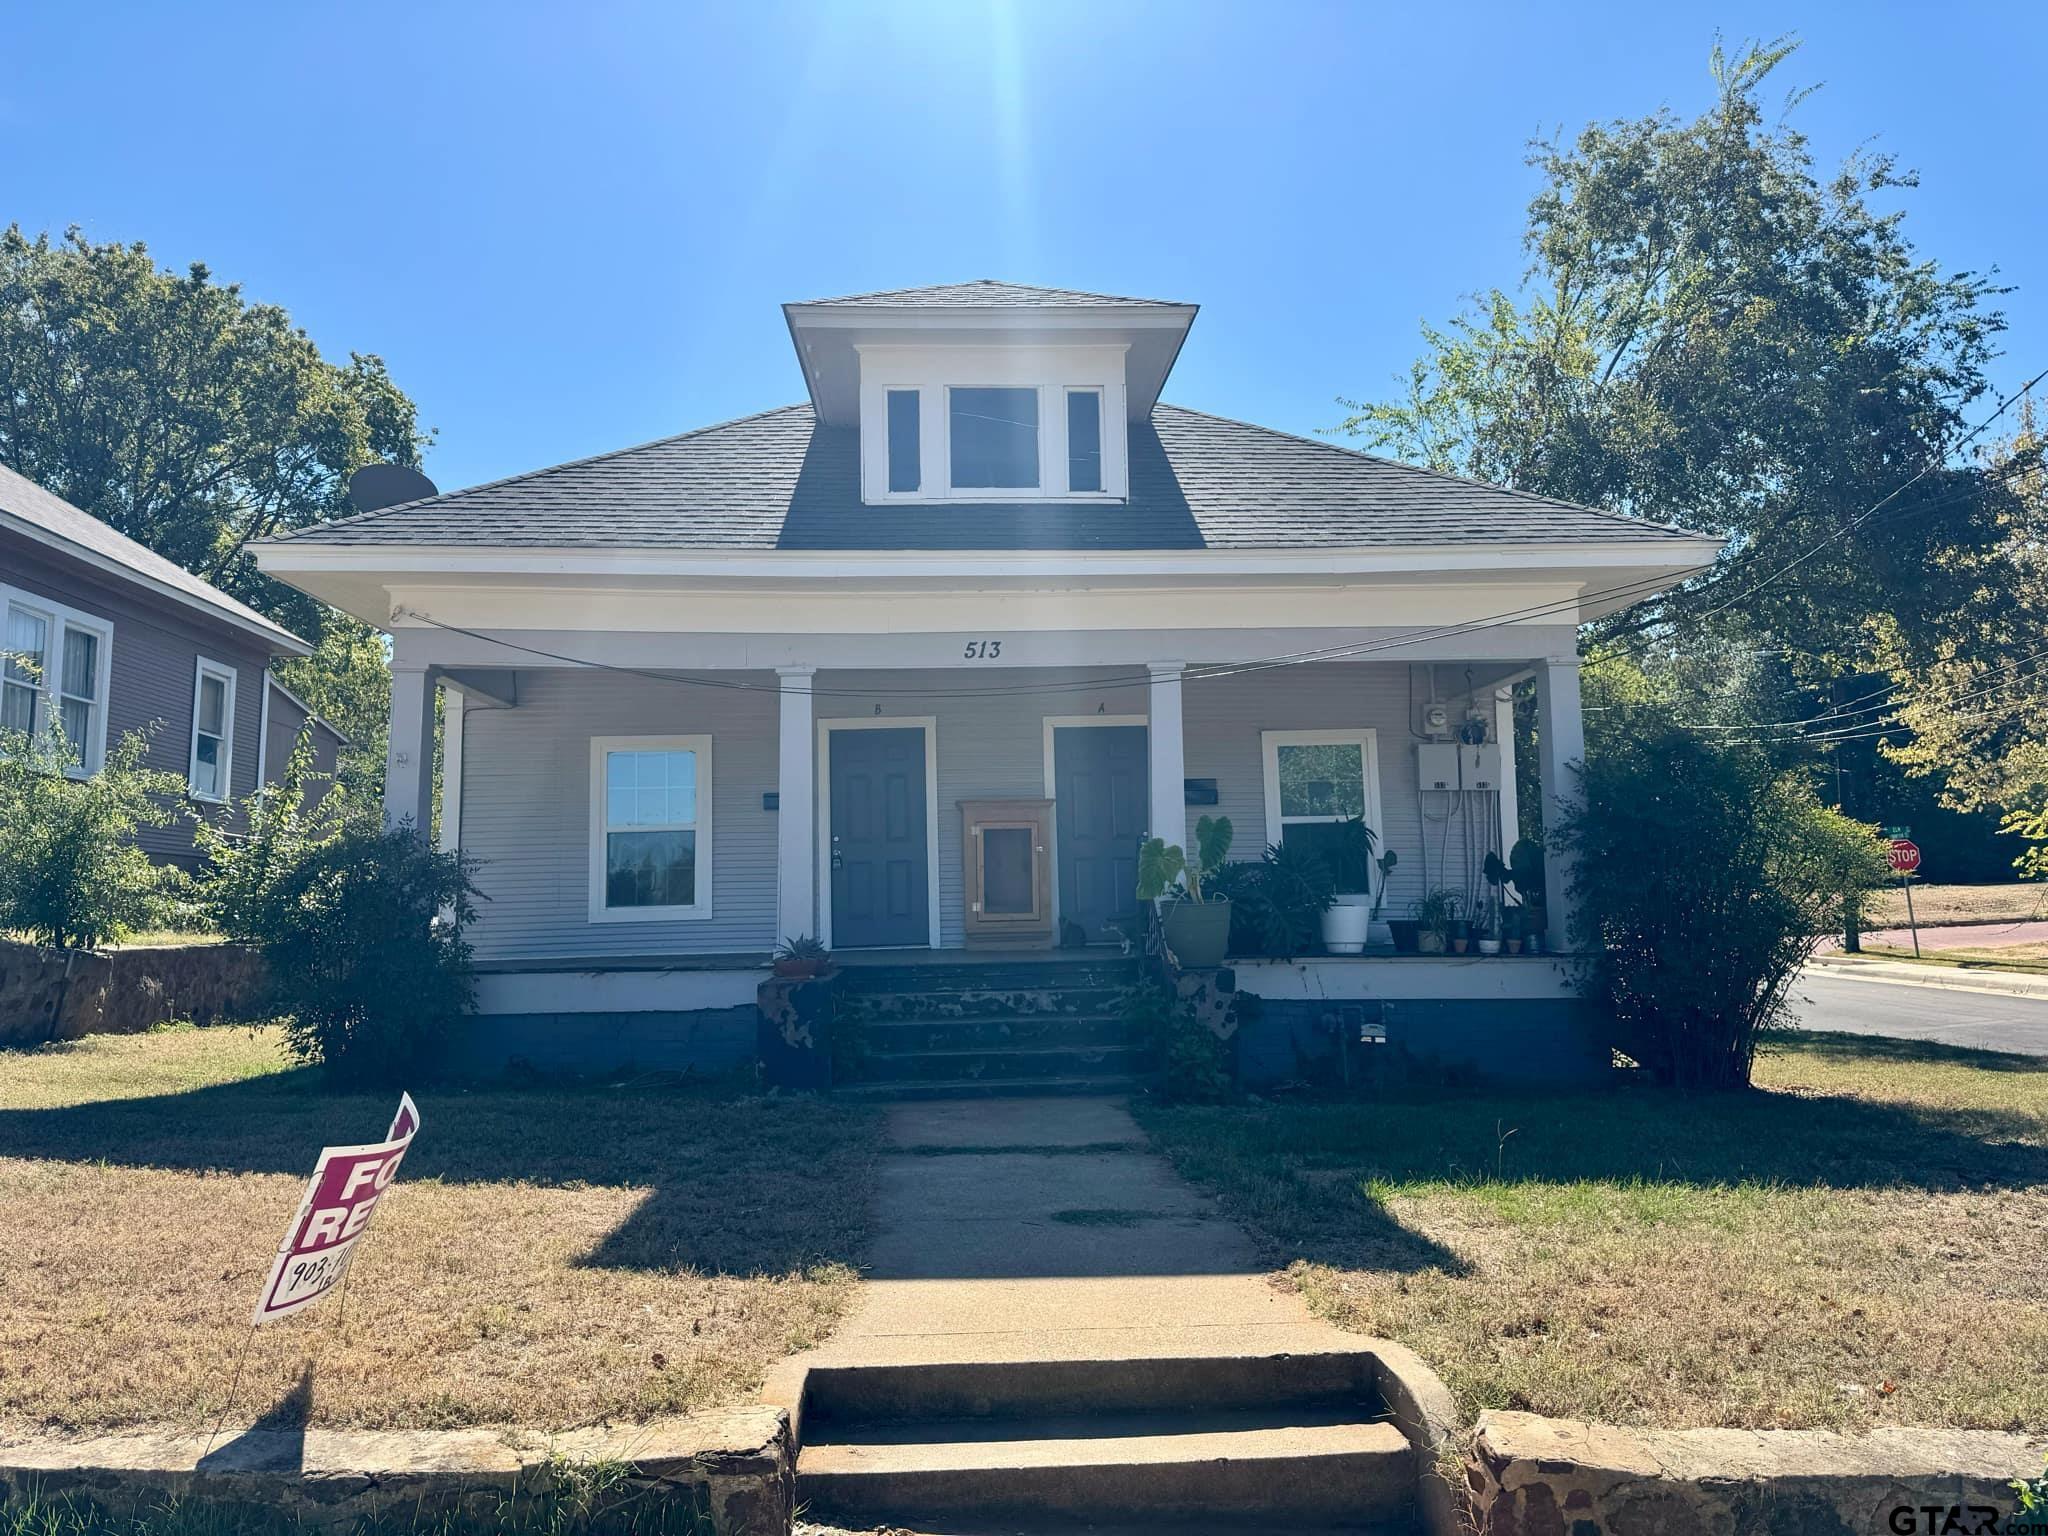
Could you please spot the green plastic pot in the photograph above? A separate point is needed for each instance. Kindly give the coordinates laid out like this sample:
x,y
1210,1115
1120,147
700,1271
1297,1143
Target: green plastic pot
x,y
1198,933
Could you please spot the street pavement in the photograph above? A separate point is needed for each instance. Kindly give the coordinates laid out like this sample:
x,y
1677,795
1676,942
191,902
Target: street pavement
x,y
1961,1014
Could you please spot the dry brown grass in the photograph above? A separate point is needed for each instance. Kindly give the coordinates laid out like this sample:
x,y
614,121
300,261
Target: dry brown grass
x,y
1863,1240
2019,956
550,1255
2012,901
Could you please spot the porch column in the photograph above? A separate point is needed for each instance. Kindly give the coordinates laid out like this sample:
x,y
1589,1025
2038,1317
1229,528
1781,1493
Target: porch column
x,y
1561,737
796,887
409,752
1167,753
1510,793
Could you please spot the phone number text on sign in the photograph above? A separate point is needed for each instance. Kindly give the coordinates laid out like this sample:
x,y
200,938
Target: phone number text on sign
x,y
346,1185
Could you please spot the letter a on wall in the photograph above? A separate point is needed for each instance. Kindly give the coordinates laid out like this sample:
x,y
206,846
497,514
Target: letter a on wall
x,y
346,1185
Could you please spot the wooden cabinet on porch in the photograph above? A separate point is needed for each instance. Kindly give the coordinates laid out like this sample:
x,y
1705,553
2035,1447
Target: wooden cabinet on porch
x,y
1008,848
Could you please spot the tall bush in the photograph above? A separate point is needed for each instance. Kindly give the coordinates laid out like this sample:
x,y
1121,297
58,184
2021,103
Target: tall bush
x,y
1706,874
70,872
361,928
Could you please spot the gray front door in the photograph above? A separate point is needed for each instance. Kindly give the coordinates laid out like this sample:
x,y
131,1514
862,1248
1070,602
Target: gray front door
x,y
1099,812
881,877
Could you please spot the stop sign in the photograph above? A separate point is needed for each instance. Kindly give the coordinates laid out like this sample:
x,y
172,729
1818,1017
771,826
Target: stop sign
x,y
1904,854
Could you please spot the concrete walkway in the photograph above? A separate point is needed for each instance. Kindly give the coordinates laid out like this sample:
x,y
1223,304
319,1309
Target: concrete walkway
x,y
1049,1229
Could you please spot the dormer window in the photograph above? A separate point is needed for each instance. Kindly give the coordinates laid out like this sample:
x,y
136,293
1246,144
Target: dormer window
x,y
994,442
992,422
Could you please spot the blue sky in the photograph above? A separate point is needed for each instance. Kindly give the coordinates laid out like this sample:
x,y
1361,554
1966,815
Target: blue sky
x,y
568,227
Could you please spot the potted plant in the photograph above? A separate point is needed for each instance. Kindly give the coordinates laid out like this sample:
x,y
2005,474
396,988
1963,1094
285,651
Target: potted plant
x,y
1522,877
1197,928
1378,931
1347,920
1488,937
1460,934
1511,929
802,957
1435,916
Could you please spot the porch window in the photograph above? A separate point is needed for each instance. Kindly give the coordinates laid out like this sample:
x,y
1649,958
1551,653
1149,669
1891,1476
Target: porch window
x,y
213,731
650,856
994,438
1315,782
53,675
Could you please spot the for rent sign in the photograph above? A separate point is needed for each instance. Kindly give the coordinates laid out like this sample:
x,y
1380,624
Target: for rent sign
x,y
346,1185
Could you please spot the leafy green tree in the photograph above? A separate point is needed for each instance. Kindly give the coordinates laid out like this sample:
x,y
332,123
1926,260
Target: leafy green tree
x,y
1714,333
70,873
195,422
1706,872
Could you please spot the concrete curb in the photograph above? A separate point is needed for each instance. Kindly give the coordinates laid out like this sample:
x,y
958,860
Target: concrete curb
x,y
1948,977
1529,1474
736,1465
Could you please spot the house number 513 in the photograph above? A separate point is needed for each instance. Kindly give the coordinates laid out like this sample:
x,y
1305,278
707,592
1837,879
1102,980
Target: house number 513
x,y
984,650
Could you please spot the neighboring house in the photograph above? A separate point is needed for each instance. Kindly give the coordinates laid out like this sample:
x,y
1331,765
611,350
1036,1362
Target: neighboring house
x,y
106,637
915,663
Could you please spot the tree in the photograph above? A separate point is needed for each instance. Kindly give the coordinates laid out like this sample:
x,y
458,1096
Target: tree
x,y
1710,333
70,873
195,422
1975,711
1706,873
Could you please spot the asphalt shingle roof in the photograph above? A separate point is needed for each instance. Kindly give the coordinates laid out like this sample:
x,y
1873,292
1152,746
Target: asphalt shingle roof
x,y
22,498
780,481
987,293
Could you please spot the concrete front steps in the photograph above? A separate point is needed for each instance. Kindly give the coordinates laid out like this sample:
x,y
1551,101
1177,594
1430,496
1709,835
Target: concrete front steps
x,y
1276,1442
1005,1027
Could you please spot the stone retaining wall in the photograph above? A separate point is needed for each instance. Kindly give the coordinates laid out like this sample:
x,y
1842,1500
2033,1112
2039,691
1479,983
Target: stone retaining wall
x,y
58,994
1531,1476
735,1467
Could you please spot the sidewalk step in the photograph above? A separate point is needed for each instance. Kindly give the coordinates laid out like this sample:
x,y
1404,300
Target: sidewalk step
x,y
841,1400
1003,1065
1208,1467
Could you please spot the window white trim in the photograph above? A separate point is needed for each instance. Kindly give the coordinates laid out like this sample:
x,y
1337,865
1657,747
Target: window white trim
x,y
930,725
936,371
59,617
1364,737
696,911
202,668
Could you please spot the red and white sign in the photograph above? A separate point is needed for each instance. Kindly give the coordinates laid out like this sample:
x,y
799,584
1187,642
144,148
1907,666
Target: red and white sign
x,y
346,1185
1904,854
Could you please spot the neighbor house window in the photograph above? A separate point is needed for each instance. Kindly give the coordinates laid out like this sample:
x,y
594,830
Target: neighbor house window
x,y
1315,782
1084,440
213,731
994,438
906,441
650,855
53,675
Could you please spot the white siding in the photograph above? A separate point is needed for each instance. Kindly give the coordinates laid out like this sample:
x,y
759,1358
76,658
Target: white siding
x,y
526,780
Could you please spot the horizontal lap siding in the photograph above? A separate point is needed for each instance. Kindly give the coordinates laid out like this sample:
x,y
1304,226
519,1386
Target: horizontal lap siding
x,y
526,789
526,812
1225,717
156,651
991,725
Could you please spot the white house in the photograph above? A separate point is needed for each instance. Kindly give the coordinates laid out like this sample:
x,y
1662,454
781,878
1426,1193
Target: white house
x,y
912,664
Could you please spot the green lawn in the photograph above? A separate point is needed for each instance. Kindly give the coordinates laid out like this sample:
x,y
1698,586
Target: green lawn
x,y
1861,1240
551,1255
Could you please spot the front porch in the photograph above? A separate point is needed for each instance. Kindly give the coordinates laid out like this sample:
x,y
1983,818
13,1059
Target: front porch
x,y
839,802
647,834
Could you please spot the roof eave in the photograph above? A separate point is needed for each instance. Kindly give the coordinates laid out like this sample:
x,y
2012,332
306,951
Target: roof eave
x,y
281,640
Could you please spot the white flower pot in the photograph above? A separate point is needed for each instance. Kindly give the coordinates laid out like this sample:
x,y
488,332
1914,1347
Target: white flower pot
x,y
1345,926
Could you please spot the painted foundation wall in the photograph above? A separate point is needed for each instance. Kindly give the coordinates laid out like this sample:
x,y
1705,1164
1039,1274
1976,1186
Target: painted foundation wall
x,y
526,779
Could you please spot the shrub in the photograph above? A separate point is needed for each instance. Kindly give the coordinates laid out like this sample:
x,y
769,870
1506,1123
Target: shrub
x,y
1197,1063
1277,902
360,926
70,871
1706,874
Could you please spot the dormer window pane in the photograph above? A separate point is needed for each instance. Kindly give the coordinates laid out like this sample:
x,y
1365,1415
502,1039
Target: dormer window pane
x,y
995,438
1084,440
905,443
